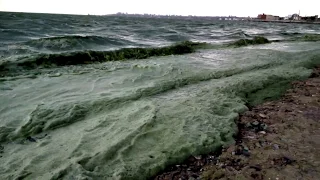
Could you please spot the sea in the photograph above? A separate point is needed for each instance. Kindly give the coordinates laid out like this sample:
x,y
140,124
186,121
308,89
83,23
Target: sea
x,y
122,97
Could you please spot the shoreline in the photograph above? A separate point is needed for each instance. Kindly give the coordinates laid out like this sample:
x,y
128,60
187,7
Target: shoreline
x,y
286,21
276,140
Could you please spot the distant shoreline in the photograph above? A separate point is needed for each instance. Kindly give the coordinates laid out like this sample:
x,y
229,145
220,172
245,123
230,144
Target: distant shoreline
x,y
214,18
286,21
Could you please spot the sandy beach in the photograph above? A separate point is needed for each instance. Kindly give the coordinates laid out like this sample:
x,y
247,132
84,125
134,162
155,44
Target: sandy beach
x,y
276,140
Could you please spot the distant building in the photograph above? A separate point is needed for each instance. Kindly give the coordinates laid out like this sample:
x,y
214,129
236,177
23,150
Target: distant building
x,y
295,17
268,17
310,18
287,17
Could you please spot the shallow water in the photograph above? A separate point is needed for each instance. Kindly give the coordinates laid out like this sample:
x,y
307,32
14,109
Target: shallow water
x,y
130,119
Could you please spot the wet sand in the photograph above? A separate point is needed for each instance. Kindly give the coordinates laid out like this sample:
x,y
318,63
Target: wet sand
x,y
276,140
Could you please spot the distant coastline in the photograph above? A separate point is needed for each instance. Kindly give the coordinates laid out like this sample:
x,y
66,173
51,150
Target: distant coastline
x,y
185,17
285,21
216,18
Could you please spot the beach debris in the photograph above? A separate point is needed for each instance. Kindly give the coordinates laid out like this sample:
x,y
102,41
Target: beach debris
x,y
248,125
263,126
262,143
283,161
211,157
239,150
250,137
198,157
262,115
276,147
258,145
246,153
255,123
256,167
257,126
262,132
245,148
242,150
288,160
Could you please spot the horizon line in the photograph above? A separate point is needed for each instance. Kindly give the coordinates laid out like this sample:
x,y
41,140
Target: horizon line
x,y
122,13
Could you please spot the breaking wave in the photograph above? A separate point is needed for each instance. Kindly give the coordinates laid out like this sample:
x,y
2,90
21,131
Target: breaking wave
x,y
87,57
74,42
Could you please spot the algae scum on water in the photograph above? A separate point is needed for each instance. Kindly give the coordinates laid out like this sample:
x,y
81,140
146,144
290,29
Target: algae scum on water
x,y
123,98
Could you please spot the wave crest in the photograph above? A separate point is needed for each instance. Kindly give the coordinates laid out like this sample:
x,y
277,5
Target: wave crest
x,y
75,42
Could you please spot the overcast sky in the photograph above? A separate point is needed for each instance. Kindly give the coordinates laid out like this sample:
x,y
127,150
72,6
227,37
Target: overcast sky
x,y
179,7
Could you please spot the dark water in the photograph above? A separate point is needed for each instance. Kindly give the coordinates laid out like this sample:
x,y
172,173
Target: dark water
x,y
35,33
107,97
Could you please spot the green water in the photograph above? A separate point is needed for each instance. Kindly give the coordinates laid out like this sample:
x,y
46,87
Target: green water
x,y
131,118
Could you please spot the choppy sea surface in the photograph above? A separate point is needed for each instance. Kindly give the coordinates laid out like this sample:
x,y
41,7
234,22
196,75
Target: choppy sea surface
x,y
110,97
